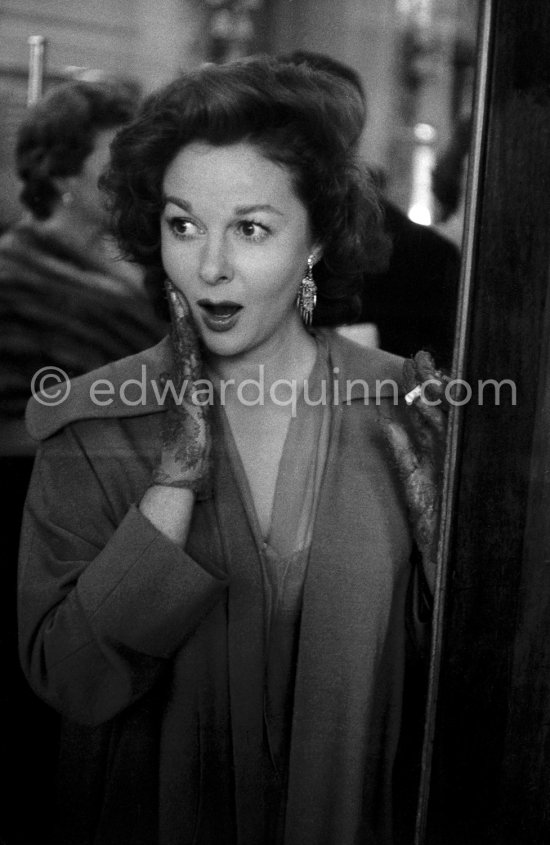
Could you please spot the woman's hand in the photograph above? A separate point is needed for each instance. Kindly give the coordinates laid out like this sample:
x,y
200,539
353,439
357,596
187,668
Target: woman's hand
x,y
418,450
184,468
186,437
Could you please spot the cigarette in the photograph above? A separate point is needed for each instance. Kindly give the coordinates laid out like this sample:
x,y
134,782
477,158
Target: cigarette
x,y
413,394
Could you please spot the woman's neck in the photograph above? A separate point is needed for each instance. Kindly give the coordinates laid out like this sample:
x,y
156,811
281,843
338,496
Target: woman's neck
x,y
290,358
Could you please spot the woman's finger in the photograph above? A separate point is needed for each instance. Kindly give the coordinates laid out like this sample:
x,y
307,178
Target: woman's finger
x,y
426,393
184,336
433,418
405,455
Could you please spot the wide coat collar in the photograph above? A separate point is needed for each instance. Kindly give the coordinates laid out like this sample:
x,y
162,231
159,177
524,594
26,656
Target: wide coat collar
x,y
132,386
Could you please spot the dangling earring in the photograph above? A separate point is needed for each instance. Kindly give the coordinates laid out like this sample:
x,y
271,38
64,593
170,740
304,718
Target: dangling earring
x,y
307,295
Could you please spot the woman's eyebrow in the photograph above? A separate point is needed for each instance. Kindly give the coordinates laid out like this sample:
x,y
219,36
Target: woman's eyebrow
x,y
250,209
239,210
185,206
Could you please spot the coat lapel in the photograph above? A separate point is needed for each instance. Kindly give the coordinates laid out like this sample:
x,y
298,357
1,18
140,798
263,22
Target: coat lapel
x,y
350,665
246,650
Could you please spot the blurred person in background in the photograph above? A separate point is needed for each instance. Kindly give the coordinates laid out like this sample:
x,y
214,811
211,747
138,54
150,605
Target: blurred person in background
x,y
66,301
66,298
449,182
412,302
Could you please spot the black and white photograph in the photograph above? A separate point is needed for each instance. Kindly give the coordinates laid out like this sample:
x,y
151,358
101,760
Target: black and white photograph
x,y
274,422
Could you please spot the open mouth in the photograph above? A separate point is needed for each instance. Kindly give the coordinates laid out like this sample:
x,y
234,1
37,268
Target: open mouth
x,y
220,309
219,315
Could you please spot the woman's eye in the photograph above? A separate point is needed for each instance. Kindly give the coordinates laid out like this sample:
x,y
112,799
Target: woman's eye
x,y
252,231
182,227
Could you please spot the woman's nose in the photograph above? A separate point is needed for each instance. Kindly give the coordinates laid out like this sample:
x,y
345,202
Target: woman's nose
x,y
215,264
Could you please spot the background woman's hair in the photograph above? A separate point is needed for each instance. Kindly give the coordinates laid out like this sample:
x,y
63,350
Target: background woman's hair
x,y
298,117
59,133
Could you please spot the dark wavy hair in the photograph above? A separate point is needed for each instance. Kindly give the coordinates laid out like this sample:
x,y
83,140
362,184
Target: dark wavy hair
x,y
296,116
334,67
58,134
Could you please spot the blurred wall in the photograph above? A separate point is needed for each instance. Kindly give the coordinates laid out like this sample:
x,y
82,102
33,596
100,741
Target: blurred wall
x,y
408,53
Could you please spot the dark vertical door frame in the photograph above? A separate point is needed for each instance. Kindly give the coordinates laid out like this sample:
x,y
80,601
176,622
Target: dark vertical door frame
x,y
489,776
480,108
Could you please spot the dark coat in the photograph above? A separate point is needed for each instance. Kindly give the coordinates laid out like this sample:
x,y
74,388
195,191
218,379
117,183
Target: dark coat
x,y
63,306
414,302
155,655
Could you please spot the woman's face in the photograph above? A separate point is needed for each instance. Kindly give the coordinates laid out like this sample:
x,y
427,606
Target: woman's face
x,y
235,240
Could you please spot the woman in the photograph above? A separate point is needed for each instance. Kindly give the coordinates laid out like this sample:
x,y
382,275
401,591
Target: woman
x,y
66,298
213,589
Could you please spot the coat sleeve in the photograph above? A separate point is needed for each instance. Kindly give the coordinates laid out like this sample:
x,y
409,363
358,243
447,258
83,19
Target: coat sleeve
x,y
102,607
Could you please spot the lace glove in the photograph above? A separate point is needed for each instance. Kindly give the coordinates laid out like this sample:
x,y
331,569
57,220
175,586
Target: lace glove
x,y
185,459
418,451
